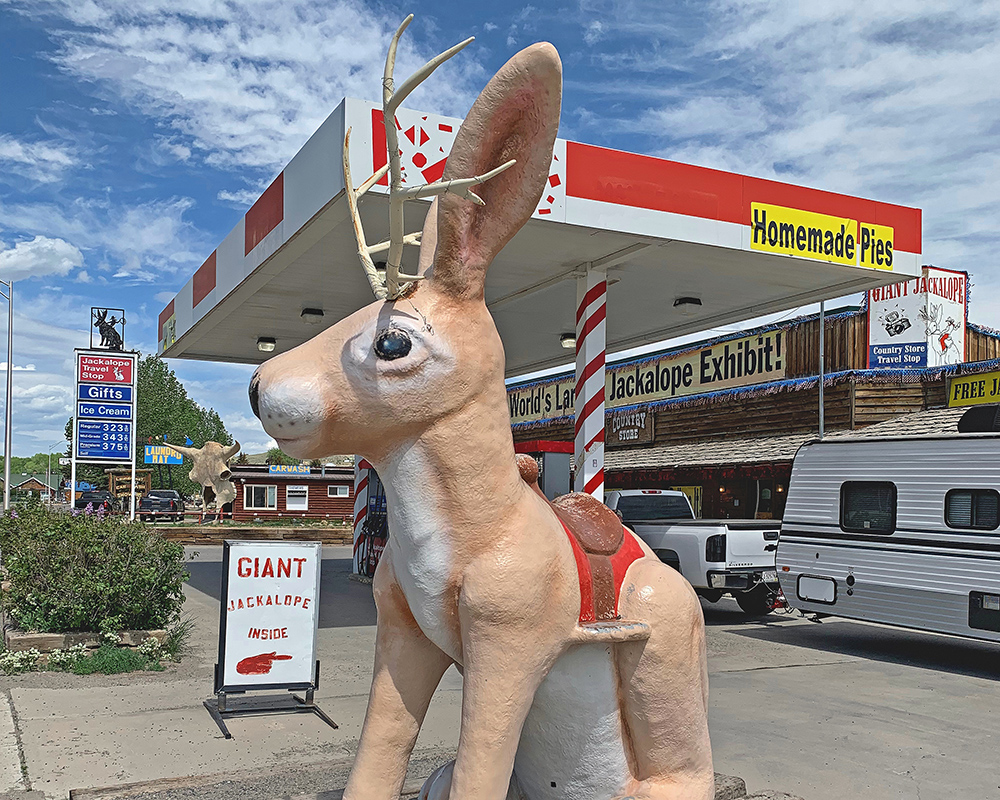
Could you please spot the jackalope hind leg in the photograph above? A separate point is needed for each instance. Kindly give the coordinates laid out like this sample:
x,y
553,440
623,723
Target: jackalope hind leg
x,y
664,687
408,668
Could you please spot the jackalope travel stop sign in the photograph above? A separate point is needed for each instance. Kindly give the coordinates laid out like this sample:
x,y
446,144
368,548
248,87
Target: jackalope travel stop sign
x,y
270,614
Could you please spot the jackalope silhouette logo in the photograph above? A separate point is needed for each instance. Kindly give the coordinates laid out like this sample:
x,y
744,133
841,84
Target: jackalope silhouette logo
x,y
110,322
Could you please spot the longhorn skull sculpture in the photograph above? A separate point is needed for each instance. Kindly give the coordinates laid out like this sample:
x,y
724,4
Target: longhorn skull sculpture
x,y
583,655
210,470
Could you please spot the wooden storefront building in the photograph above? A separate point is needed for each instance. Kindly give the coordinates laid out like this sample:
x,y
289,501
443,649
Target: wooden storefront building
x,y
299,492
731,449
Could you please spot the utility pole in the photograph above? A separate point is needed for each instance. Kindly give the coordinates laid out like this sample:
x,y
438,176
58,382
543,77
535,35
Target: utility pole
x,y
9,296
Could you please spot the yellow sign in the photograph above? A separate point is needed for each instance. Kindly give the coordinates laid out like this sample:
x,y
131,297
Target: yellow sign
x,y
974,390
821,237
724,365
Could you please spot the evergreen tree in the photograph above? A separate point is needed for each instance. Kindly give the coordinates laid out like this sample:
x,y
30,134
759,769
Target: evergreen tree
x,y
277,456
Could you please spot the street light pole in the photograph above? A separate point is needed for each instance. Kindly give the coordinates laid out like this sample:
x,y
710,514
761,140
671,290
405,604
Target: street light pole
x,y
48,473
9,296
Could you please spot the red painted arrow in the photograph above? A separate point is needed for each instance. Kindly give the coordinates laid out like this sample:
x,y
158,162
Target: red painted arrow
x,y
259,664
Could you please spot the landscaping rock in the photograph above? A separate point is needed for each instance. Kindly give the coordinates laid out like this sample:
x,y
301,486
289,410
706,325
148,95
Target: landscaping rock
x,y
770,794
729,787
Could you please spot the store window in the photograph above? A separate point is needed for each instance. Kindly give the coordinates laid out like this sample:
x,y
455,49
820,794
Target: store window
x,y
972,508
297,498
260,497
338,491
868,507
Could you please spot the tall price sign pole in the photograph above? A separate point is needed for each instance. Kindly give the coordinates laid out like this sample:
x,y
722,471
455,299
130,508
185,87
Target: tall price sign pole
x,y
9,286
104,422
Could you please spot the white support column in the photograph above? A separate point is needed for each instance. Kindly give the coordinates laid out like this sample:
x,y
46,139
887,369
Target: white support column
x,y
361,476
591,309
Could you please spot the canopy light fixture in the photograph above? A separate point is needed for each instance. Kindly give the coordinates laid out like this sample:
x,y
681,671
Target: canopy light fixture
x,y
687,305
312,315
568,341
265,344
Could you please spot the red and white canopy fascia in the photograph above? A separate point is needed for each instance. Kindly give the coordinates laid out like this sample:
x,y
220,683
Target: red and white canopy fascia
x,y
667,226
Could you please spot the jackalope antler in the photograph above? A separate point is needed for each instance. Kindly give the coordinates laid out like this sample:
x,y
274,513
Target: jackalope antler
x,y
395,283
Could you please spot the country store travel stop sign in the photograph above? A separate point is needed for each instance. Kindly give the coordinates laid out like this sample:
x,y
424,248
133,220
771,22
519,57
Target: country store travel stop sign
x,y
270,615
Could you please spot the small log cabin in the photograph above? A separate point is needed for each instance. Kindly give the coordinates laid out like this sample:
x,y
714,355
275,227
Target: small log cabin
x,y
730,448
299,492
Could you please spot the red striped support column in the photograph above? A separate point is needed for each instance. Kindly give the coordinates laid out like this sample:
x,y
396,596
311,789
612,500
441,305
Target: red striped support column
x,y
591,309
361,474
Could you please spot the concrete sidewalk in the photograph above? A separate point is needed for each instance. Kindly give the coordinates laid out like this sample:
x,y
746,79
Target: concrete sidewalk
x,y
822,711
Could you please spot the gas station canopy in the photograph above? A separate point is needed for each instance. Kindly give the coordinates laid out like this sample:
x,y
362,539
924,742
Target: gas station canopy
x,y
685,248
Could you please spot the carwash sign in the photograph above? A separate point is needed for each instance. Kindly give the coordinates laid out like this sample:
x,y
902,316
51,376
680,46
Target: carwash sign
x,y
270,616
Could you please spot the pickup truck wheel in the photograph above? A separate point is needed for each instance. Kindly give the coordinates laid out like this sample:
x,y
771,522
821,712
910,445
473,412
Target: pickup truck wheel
x,y
756,602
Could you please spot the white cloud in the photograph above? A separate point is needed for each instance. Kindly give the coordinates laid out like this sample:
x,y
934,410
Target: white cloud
x,y
24,368
241,198
42,162
163,297
245,85
38,258
146,239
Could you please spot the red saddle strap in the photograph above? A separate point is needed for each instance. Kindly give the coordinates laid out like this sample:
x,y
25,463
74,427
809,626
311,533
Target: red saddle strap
x,y
601,577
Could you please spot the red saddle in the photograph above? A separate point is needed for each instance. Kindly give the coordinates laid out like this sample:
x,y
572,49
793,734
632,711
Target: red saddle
x,y
602,546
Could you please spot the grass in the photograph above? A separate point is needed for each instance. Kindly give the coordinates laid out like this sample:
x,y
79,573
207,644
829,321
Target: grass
x,y
109,660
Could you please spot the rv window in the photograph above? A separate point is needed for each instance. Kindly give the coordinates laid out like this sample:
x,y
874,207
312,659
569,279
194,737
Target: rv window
x,y
868,506
972,508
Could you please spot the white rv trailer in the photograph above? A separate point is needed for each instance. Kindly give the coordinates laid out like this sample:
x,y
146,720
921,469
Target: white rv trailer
x,y
903,530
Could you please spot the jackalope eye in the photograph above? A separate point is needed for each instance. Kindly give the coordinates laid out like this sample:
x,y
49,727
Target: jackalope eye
x,y
392,343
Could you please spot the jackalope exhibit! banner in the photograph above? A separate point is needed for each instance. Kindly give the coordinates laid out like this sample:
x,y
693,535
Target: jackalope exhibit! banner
x,y
738,362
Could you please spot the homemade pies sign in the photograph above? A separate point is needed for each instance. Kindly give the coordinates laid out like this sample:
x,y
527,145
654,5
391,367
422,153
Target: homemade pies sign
x,y
270,615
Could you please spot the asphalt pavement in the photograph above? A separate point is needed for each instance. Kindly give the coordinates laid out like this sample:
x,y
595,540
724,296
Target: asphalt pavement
x,y
825,711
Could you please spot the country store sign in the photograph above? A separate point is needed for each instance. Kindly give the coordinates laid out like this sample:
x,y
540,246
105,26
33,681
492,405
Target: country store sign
x,y
738,362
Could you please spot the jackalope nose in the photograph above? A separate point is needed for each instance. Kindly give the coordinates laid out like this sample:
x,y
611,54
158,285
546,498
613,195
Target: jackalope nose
x,y
254,391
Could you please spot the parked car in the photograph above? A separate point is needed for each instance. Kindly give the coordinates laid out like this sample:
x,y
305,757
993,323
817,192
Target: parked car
x,y
99,499
725,556
160,502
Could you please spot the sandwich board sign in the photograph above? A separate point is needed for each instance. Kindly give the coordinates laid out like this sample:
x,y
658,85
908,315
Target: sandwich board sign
x,y
268,625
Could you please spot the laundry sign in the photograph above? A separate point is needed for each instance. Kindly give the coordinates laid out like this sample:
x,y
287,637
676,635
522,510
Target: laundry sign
x,y
270,615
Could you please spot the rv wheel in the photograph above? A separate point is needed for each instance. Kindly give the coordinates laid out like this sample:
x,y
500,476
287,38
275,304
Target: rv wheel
x,y
756,602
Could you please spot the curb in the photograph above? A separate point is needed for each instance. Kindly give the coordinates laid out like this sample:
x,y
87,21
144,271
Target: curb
x,y
727,787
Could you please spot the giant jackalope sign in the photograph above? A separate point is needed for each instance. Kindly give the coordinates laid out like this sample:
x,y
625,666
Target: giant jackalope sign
x,y
583,655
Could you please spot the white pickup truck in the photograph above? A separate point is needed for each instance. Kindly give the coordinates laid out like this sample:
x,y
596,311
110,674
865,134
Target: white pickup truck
x,y
722,556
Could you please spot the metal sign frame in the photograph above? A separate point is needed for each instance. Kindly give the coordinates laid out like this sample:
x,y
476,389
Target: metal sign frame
x,y
128,400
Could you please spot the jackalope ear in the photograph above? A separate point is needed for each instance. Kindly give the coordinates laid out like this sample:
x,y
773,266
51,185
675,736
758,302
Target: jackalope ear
x,y
428,239
516,116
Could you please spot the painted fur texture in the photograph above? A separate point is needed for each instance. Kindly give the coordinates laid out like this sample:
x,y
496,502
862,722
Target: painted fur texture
x,y
479,571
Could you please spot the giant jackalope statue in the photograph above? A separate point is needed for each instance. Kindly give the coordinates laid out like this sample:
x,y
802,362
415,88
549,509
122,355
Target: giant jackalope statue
x,y
210,469
583,655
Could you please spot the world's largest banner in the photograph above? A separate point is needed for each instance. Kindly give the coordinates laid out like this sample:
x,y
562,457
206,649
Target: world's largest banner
x,y
738,362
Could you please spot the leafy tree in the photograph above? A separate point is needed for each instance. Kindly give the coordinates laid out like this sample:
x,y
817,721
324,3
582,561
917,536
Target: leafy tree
x,y
276,456
164,410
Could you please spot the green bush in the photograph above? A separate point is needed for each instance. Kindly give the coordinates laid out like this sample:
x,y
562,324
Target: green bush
x,y
88,572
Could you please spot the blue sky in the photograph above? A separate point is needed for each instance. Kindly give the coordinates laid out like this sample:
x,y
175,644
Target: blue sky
x,y
134,135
